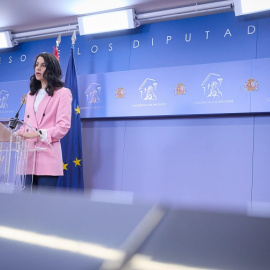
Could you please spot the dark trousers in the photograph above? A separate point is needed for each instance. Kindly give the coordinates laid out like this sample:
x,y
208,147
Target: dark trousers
x,y
37,182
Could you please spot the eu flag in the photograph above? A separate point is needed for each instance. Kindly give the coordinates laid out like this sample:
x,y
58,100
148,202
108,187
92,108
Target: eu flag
x,y
72,143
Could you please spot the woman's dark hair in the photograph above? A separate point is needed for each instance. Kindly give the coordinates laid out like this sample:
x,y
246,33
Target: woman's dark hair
x,y
52,75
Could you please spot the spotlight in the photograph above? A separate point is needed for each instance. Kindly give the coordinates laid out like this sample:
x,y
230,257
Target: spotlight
x,y
243,7
107,22
5,40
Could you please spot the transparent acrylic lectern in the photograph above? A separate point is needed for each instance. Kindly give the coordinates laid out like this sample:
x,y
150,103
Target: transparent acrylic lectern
x,y
13,157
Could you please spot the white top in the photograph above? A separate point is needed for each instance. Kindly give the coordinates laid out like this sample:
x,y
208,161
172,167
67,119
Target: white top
x,y
40,95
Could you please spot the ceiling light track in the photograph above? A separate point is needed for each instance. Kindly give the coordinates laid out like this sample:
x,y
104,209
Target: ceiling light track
x,y
215,7
163,15
44,33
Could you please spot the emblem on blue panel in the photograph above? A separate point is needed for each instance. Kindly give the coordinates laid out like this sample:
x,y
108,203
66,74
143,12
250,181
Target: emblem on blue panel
x,y
120,93
251,85
180,89
92,93
212,85
148,89
3,99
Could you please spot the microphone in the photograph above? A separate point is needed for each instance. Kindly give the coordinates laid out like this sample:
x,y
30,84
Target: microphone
x,y
13,121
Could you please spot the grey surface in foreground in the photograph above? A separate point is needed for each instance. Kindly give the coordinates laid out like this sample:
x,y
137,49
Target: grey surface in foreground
x,y
200,239
210,240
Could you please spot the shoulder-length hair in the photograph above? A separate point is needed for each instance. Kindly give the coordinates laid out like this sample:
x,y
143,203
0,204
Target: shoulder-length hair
x,y
52,75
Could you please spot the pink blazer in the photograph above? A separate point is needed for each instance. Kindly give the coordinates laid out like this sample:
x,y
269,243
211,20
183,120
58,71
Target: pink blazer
x,y
54,115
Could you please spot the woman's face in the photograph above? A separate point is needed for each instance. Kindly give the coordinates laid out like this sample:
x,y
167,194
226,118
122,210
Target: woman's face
x,y
40,68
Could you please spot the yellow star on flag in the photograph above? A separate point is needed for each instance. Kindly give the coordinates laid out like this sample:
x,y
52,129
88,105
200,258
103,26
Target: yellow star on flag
x,y
65,166
77,110
77,162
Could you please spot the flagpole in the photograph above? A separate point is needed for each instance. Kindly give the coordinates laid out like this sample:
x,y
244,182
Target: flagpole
x,y
55,49
72,143
73,39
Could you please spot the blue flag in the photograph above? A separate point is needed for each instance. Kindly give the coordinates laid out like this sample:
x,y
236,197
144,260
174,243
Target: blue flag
x,y
72,143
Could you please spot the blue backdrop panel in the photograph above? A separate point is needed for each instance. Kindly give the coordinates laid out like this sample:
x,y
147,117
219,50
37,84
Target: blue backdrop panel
x,y
103,164
177,160
199,65
214,88
263,43
11,94
17,63
102,55
261,168
215,38
260,94
200,89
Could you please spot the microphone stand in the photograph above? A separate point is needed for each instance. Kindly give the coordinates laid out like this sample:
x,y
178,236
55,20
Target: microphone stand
x,y
14,121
